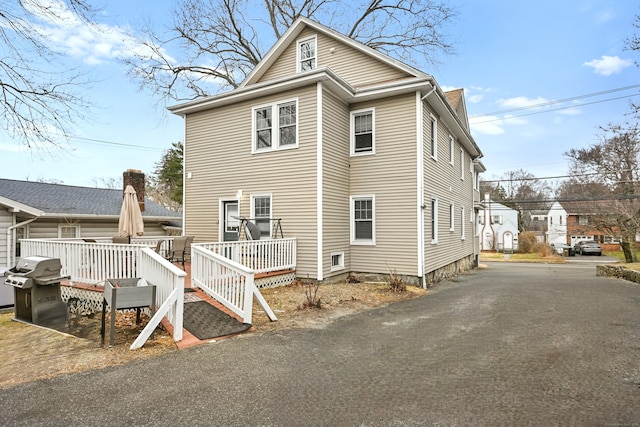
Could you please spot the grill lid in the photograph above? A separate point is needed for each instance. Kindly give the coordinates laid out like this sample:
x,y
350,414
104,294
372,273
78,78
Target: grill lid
x,y
36,266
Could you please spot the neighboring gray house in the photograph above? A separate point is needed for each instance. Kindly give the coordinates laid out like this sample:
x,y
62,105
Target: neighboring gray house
x,y
39,210
498,227
366,161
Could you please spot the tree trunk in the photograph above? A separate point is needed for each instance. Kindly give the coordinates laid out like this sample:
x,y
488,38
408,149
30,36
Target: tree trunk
x,y
628,246
625,246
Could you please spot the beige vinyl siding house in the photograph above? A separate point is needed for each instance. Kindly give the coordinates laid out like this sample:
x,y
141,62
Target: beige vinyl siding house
x,y
334,139
389,175
335,184
354,66
455,235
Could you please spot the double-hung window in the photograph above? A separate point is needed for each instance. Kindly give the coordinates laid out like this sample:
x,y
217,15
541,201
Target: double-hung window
x,y
434,220
362,132
275,126
433,138
307,56
452,221
363,220
261,209
68,231
451,149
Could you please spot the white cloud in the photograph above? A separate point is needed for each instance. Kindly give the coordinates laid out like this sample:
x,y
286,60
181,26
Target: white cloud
x,y
521,102
66,33
15,147
487,125
604,16
475,99
573,111
608,65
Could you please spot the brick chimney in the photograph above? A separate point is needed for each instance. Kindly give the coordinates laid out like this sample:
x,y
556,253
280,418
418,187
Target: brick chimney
x,y
134,178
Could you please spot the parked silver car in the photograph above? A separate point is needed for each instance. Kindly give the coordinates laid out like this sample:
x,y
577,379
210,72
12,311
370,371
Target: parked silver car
x,y
563,249
588,247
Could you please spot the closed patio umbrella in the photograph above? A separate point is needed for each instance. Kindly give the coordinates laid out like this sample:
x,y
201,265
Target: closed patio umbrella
x,y
130,223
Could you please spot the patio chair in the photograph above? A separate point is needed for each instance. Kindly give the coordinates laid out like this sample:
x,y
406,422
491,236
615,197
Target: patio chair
x,y
180,249
158,247
121,240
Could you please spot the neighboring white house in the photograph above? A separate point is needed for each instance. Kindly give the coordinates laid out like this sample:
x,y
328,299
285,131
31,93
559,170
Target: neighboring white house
x,y
557,224
498,226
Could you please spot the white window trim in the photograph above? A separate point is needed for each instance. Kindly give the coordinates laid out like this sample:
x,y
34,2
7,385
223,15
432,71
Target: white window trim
x,y
340,265
452,216
451,150
434,220
76,226
352,218
298,59
253,210
275,127
462,164
433,133
352,132
462,221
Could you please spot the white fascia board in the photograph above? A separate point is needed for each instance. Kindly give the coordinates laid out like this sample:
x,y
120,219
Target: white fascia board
x,y
20,207
344,90
450,117
107,217
296,28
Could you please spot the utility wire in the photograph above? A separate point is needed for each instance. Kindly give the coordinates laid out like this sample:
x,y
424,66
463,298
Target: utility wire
x,y
551,110
118,144
569,200
558,101
547,177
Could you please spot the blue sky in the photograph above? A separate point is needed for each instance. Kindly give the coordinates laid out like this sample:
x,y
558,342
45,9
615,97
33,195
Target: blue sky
x,y
510,55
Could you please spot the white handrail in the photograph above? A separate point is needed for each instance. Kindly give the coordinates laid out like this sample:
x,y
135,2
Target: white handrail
x,y
229,282
262,256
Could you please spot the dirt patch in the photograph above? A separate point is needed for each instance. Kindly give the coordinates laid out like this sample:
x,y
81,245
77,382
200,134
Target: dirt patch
x,y
336,300
31,353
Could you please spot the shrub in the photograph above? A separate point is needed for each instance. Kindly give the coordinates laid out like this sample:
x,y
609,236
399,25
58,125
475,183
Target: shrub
x,y
396,283
313,300
527,243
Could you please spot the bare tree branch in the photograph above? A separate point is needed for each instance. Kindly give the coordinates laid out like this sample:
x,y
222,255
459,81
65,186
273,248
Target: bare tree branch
x,y
38,104
218,42
615,166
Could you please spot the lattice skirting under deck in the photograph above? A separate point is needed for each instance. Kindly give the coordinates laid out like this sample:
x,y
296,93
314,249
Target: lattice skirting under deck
x,y
275,280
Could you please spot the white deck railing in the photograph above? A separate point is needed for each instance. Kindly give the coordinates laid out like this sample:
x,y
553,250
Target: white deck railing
x,y
227,281
262,256
94,263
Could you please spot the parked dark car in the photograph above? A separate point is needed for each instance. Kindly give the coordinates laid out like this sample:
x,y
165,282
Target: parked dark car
x,y
588,247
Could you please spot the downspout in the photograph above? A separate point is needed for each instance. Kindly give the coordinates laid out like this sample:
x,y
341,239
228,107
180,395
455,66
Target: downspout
x,y
9,230
420,165
319,184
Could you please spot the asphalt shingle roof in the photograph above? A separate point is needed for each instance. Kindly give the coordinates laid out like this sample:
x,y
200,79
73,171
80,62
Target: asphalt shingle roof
x,y
72,200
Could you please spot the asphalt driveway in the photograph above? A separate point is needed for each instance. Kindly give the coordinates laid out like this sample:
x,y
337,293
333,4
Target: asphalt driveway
x,y
513,344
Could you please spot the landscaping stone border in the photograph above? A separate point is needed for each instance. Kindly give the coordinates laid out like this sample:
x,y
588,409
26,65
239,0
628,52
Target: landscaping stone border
x,y
619,271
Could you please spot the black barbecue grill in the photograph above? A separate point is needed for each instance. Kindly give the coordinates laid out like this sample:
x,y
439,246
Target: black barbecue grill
x,y
36,282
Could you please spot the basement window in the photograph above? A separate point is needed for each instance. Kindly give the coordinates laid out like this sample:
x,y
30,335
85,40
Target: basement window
x,y
337,261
